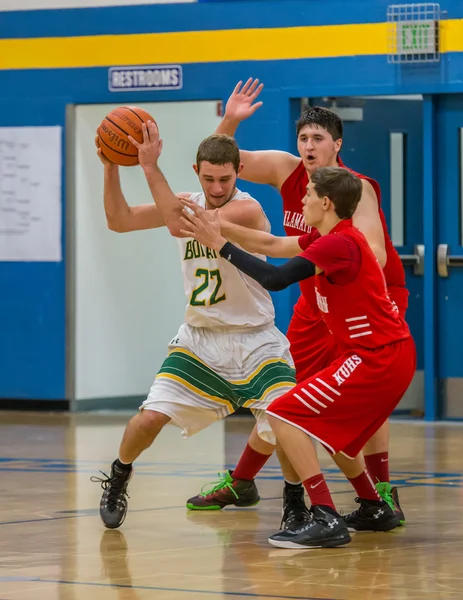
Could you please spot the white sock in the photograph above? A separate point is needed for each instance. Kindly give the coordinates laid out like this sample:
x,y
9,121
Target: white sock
x,y
293,482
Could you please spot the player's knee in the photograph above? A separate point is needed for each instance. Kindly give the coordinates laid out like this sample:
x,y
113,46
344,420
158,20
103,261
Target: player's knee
x,y
153,421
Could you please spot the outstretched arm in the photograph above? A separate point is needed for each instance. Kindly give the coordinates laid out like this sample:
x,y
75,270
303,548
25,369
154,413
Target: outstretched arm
x,y
271,277
205,227
263,166
248,233
260,242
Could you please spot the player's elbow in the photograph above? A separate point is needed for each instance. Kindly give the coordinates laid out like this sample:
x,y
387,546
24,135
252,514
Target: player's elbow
x,y
172,221
175,229
116,225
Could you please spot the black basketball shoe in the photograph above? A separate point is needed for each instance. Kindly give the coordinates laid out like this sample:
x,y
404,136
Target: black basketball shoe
x,y
325,529
295,512
113,504
373,515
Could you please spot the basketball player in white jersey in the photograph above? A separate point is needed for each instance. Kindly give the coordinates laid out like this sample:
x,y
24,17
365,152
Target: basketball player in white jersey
x,y
228,352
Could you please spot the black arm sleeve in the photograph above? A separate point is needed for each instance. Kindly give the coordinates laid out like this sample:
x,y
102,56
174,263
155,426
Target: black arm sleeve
x,y
270,277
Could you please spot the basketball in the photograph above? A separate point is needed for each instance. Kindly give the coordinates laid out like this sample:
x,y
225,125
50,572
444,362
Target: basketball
x,y
114,131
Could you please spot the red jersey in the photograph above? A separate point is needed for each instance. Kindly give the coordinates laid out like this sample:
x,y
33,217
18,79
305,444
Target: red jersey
x,y
292,192
359,314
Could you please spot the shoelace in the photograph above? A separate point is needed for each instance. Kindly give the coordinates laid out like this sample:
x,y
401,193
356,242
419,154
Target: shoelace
x,y
218,485
390,500
301,523
387,497
114,485
295,509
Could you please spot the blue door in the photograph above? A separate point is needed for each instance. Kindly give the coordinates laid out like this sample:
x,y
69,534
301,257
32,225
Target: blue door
x,y
383,138
448,148
385,142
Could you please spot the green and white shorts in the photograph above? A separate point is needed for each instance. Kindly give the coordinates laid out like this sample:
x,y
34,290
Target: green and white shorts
x,y
209,374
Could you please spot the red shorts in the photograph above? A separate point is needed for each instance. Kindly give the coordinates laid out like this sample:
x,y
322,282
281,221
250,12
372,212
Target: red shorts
x,y
343,405
313,347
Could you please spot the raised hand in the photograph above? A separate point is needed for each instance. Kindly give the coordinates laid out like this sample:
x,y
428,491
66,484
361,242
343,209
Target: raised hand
x,y
150,149
241,103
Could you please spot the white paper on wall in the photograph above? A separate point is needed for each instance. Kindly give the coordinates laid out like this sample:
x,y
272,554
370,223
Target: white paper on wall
x,y
30,194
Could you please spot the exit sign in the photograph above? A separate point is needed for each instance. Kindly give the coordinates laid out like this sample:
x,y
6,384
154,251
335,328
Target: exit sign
x,y
417,37
413,32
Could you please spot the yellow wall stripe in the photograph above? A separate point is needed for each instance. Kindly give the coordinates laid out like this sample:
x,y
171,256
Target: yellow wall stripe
x,y
194,46
452,35
209,46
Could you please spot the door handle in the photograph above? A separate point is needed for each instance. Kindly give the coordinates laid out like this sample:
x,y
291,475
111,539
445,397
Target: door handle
x,y
416,260
445,260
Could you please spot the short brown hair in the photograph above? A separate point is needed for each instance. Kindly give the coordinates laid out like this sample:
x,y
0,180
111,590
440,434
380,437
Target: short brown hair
x,y
341,186
321,117
219,149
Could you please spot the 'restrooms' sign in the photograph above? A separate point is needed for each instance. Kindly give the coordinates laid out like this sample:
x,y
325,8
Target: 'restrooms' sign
x,y
145,78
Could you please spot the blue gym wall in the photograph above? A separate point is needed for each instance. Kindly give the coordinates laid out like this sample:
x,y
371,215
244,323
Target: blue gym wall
x,y
32,295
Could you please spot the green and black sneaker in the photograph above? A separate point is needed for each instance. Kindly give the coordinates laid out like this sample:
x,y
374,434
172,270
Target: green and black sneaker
x,y
390,495
225,492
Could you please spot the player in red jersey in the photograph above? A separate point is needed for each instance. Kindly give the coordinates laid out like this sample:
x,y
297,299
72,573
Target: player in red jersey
x,y
345,403
319,141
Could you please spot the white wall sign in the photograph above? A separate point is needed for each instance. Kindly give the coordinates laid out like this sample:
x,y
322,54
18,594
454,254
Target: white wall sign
x,y
417,37
30,193
145,78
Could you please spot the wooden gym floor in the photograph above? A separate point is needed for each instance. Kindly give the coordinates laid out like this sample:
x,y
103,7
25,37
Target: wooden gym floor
x,y
54,547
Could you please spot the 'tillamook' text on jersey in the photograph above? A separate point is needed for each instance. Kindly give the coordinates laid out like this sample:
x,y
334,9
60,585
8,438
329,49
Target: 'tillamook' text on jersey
x,y
296,221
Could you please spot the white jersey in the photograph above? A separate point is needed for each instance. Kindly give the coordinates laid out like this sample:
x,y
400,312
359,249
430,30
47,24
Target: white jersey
x,y
218,294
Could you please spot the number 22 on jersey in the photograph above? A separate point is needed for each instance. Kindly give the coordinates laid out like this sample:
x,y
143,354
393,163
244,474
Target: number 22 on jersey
x,y
207,278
